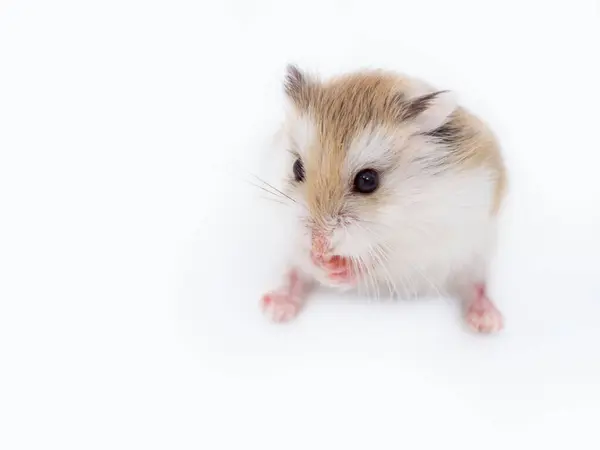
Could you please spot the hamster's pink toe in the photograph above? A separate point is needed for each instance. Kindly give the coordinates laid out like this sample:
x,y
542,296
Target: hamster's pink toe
x,y
484,317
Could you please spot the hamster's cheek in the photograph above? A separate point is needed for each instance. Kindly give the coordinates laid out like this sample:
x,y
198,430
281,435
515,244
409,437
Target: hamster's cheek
x,y
353,242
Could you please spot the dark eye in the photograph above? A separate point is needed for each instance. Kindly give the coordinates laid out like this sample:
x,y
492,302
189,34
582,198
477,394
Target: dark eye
x,y
366,181
298,170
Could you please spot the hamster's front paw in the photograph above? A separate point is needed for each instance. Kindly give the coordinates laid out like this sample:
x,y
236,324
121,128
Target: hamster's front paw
x,y
337,270
280,306
283,304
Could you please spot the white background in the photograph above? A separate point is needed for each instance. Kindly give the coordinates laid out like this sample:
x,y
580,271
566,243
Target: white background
x,y
133,252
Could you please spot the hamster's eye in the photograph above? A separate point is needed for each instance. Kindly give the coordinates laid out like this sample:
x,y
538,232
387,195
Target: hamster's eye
x,y
298,170
366,181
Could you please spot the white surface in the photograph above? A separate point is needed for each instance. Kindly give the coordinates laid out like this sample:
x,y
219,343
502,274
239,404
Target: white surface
x,y
133,254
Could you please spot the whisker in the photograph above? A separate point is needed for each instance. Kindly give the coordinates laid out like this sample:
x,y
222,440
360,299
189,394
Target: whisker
x,y
275,194
382,258
274,200
274,188
374,281
431,283
371,288
371,279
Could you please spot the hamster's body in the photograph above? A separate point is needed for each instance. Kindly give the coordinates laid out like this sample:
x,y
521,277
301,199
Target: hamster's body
x,y
395,189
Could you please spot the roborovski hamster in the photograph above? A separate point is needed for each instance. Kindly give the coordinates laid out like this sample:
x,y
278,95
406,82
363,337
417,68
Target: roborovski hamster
x,y
394,188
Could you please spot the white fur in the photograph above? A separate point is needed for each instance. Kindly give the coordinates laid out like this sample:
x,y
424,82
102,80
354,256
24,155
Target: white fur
x,y
435,239
374,148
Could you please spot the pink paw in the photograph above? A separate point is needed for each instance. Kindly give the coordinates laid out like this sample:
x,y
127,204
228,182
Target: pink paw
x,y
484,317
280,306
339,269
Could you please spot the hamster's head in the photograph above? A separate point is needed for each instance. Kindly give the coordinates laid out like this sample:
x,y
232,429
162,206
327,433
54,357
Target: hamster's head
x,y
351,143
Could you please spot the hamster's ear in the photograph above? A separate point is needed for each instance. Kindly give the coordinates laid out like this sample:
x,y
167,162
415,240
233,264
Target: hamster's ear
x,y
295,80
429,111
296,85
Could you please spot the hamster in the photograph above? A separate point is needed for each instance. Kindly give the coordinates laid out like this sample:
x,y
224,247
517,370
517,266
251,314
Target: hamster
x,y
394,188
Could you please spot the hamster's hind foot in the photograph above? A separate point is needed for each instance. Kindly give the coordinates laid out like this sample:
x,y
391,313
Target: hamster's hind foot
x,y
482,315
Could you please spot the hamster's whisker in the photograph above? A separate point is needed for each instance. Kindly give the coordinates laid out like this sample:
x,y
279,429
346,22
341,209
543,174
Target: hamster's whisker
x,y
373,256
378,261
374,223
381,253
268,191
376,256
372,230
372,279
274,200
361,266
404,288
369,286
356,269
428,280
412,285
385,250
383,259
360,269
274,188
370,270
273,196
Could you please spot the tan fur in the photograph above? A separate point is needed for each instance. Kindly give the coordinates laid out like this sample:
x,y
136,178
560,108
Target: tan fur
x,y
480,149
344,106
